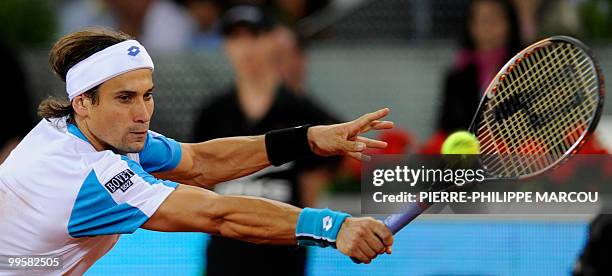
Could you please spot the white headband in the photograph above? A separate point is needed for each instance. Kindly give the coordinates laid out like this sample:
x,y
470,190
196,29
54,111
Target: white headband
x,y
106,64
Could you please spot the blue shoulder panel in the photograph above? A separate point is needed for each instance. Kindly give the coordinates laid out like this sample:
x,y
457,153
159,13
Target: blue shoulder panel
x,y
160,154
96,213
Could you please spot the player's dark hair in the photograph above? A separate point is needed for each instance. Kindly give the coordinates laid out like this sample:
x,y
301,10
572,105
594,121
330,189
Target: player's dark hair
x,y
67,52
513,44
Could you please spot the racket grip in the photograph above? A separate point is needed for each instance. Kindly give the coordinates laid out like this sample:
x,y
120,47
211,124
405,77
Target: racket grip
x,y
397,221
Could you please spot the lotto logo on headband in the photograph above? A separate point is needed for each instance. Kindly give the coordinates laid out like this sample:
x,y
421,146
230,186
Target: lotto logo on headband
x,y
106,64
133,51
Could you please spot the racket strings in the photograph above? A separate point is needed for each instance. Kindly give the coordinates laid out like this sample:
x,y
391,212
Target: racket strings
x,y
556,151
574,120
512,81
540,160
546,103
508,129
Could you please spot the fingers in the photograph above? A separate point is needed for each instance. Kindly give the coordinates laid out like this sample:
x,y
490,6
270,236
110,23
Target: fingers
x,y
359,144
375,244
353,146
364,239
379,125
368,250
359,255
368,118
371,143
385,235
359,156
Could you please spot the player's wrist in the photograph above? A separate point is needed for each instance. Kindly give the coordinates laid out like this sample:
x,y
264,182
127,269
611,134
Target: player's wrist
x,y
285,145
319,227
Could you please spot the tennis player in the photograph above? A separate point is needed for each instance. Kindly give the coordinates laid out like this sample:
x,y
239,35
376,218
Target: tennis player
x,y
92,170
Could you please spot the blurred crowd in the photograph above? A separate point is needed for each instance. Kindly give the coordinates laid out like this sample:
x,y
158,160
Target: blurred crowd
x,y
166,25
491,32
267,50
179,25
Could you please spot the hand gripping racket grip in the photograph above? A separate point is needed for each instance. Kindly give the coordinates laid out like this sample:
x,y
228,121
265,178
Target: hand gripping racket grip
x,y
396,222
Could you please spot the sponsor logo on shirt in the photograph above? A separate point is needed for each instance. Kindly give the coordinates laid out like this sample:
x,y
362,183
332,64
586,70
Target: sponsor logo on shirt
x,y
120,181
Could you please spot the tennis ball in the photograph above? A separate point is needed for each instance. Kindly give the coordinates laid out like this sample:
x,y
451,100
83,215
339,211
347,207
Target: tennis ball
x,y
461,142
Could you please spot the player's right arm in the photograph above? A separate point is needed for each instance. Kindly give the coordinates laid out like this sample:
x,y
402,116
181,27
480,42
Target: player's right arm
x,y
259,220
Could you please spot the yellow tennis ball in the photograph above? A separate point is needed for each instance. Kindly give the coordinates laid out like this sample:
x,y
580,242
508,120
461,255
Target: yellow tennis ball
x,y
461,142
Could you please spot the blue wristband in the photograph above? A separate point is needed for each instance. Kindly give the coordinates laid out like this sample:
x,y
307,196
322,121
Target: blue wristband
x,y
319,227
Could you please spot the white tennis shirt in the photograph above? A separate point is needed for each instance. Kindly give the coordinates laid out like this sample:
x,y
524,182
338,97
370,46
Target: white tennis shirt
x,y
61,197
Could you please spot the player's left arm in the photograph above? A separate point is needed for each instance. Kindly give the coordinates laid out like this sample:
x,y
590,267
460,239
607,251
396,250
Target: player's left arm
x,y
218,160
214,161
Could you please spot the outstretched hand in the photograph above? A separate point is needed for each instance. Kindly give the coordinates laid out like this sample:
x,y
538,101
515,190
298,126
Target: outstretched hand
x,y
345,139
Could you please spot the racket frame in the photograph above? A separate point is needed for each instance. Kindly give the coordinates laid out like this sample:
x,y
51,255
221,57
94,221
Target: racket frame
x,y
514,61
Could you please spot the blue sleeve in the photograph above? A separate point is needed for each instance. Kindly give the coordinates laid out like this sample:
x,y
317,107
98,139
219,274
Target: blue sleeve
x,y
159,153
116,198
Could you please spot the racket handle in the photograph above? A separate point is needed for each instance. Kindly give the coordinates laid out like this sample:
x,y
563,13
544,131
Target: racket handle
x,y
397,221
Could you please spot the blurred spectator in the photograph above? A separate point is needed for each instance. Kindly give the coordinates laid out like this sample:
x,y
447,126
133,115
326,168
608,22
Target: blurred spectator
x,y
17,102
527,12
292,60
205,14
160,25
543,18
491,38
259,102
560,17
76,14
289,12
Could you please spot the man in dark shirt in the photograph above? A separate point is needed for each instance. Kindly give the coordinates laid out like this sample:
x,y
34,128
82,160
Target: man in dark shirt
x,y
258,102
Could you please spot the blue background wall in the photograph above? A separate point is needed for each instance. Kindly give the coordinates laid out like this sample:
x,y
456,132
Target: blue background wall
x,y
426,247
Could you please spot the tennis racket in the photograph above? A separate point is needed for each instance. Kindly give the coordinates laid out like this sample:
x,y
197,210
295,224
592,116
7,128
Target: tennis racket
x,y
537,112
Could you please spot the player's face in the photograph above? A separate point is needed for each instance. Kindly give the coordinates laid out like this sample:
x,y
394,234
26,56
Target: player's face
x,y
121,118
488,25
